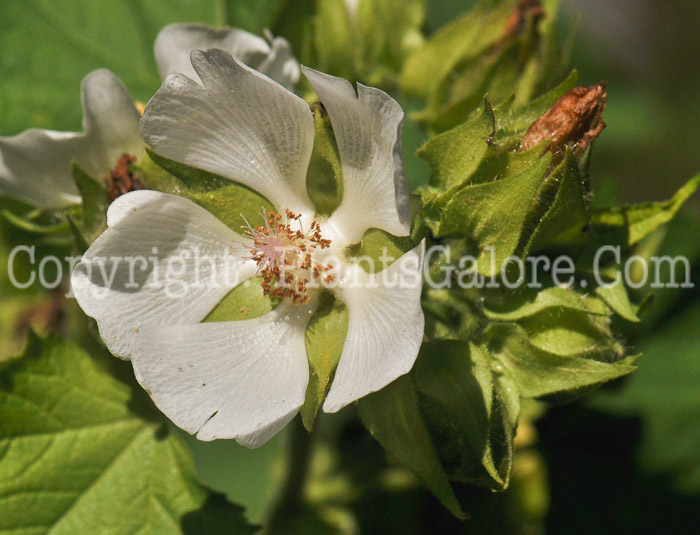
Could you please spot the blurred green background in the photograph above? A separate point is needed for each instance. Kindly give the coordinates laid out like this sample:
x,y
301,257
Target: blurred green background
x,y
626,460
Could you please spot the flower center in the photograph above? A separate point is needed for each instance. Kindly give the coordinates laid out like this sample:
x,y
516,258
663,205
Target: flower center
x,y
284,253
121,180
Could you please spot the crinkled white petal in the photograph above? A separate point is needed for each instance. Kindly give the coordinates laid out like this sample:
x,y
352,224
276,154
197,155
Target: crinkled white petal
x,y
367,128
385,329
35,166
240,125
163,260
280,64
176,41
110,121
239,379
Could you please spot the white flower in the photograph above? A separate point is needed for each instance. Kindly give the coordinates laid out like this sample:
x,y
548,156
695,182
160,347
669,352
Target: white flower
x,y
35,166
247,379
272,57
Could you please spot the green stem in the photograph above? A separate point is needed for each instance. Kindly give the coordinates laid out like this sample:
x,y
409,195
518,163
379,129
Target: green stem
x,y
291,498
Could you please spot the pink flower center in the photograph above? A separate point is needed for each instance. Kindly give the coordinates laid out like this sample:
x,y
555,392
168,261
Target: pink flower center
x,y
284,255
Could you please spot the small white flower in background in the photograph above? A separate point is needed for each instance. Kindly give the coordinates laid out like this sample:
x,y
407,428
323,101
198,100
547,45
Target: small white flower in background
x,y
271,56
247,379
35,166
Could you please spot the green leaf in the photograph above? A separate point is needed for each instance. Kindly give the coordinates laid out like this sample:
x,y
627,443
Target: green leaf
x,y
80,36
663,394
93,218
627,225
393,417
456,154
672,241
539,373
325,338
83,453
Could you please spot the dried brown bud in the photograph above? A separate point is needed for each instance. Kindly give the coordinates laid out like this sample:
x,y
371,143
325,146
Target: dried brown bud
x,y
121,180
574,121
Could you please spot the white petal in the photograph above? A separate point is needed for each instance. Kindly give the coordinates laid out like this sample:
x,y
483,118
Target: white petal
x,y
35,166
110,121
176,41
240,125
367,128
239,379
385,330
280,64
149,228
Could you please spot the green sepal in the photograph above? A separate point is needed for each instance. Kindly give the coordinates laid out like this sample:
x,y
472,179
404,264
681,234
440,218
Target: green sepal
x,y
378,247
493,215
193,178
93,216
617,298
80,245
232,205
568,332
324,178
565,226
230,202
456,154
246,301
325,338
